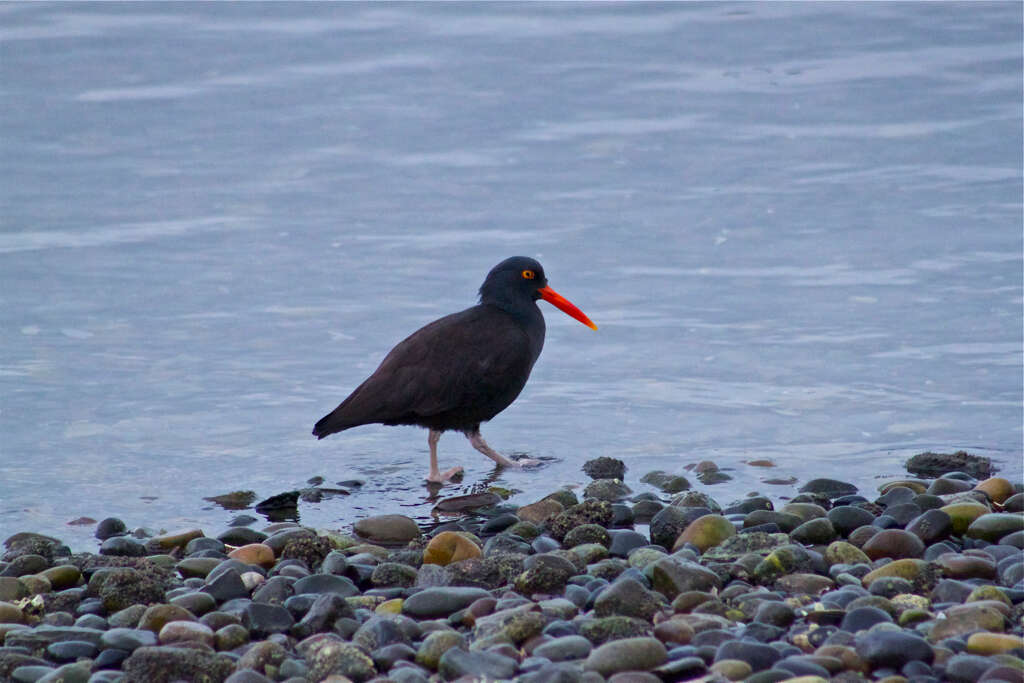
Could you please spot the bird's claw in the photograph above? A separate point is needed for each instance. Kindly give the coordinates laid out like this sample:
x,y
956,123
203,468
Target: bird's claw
x,y
446,476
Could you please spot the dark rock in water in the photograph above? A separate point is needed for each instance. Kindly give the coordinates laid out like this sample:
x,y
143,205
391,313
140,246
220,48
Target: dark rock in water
x,y
236,500
930,465
460,504
240,535
605,468
832,488
109,527
166,664
286,500
669,483
457,662
748,505
122,546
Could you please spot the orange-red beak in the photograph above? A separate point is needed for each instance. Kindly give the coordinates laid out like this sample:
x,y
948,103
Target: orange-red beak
x,y
566,306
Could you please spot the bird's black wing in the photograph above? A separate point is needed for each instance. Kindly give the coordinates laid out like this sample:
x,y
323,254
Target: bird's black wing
x,y
473,363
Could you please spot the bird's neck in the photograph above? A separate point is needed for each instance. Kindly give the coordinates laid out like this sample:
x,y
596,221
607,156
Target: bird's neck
x,y
529,317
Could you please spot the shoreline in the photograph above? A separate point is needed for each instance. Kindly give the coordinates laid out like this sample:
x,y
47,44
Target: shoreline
x,y
922,579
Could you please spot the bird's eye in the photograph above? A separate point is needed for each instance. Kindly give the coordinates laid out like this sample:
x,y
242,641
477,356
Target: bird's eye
x,y
529,274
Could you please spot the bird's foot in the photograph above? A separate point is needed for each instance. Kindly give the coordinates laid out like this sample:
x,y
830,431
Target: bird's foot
x,y
447,475
526,462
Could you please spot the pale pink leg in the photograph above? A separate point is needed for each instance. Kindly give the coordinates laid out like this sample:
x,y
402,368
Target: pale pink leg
x,y
481,445
436,475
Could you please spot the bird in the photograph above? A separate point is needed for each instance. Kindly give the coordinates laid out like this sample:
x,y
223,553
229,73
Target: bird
x,y
460,370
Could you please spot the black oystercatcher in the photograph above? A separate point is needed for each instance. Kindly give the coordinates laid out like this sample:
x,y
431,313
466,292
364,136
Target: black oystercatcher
x,y
462,369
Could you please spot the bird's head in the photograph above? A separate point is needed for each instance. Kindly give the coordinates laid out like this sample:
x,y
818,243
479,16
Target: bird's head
x,y
519,280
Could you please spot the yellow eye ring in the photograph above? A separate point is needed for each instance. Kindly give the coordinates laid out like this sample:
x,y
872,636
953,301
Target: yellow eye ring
x,y
529,274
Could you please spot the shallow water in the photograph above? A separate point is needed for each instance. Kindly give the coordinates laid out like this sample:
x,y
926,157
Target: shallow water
x,y
797,226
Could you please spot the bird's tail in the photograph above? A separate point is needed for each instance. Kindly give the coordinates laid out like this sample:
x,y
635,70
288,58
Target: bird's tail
x,y
331,423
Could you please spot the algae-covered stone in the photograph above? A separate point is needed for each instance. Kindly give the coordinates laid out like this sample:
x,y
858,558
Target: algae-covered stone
x,y
669,483
605,468
918,572
785,560
604,629
841,552
963,513
589,553
166,664
993,526
961,620
587,533
435,645
331,657
588,512
705,532
606,489
541,511
626,597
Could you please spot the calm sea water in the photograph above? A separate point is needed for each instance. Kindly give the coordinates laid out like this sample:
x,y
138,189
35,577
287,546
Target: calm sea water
x,y
797,226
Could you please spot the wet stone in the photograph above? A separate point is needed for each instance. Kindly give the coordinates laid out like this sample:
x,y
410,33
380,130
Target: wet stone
x,y
122,546
832,488
628,654
458,662
109,527
128,639
892,649
758,655
437,602
605,468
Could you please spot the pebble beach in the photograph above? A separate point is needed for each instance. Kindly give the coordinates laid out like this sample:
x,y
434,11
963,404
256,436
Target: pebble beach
x,y
921,580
